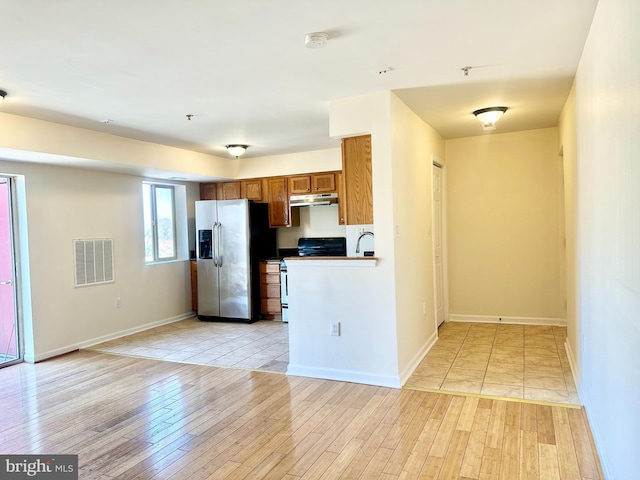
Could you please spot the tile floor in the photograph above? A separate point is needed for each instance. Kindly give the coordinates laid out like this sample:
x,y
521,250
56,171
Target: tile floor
x,y
512,361
263,345
515,361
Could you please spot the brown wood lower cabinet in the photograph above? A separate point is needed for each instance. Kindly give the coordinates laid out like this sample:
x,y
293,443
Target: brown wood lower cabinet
x,y
271,308
194,285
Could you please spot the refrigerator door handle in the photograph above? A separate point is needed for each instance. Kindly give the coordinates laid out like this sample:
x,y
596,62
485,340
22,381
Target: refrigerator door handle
x,y
215,244
220,252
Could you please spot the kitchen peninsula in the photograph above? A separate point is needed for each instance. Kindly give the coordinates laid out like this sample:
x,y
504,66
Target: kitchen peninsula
x,y
332,311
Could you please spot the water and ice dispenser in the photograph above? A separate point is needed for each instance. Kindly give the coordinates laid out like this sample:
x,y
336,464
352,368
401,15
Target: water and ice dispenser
x,y
205,244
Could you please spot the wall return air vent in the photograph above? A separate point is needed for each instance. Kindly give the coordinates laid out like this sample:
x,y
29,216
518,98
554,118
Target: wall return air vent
x,y
93,261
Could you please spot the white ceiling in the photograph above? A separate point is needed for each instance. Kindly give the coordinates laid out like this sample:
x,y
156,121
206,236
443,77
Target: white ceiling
x,y
242,69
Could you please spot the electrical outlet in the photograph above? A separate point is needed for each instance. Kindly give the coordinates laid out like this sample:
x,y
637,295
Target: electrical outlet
x,y
117,302
335,329
424,308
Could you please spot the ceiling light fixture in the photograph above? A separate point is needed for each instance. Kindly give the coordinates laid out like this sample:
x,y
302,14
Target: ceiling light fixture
x,y
2,95
237,150
316,40
489,116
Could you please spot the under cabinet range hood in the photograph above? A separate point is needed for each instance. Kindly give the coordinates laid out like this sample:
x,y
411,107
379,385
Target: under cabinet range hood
x,y
313,200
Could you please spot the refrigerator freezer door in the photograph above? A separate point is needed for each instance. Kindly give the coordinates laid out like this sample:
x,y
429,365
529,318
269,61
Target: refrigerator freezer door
x,y
208,278
208,299
233,252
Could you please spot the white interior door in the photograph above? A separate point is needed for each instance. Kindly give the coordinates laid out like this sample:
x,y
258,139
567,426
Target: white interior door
x,y
437,243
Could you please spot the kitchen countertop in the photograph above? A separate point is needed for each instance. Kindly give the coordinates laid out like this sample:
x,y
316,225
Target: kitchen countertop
x,y
334,261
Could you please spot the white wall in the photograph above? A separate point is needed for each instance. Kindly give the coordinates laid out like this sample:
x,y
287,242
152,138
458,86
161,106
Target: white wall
x,y
63,204
608,233
320,294
314,222
362,299
385,331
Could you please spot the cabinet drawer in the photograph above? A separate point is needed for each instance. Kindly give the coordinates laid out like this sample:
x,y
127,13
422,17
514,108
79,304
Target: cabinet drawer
x,y
270,290
271,305
270,267
270,278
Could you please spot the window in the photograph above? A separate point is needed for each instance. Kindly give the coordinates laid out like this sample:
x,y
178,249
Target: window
x,y
159,222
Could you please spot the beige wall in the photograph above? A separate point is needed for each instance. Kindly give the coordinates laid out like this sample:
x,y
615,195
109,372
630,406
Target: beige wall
x,y
504,225
29,139
291,164
413,145
63,204
567,128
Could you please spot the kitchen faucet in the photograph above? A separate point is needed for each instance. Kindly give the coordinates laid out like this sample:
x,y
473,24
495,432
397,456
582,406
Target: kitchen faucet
x,y
363,234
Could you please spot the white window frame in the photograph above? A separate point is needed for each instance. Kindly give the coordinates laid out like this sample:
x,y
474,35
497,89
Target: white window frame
x,y
154,223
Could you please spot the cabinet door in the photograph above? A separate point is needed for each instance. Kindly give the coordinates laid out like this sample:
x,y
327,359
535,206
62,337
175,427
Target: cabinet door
x,y
252,189
323,182
194,285
279,210
229,191
208,191
342,199
357,178
299,184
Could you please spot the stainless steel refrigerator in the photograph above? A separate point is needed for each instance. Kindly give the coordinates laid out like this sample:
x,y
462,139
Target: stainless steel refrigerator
x,y
233,236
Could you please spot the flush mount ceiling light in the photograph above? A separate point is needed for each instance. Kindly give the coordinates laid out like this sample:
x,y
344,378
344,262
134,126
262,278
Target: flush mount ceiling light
x,y
237,150
316,40
489,116
2,95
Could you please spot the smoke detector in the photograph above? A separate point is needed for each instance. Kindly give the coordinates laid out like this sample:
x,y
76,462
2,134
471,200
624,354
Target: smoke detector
x,y
316,40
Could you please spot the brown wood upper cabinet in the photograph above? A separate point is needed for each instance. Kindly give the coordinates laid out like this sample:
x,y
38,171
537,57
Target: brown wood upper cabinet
x,y
280,214
300,184
341,200
323,182
253,189
208,191
313,183
357,190
229,191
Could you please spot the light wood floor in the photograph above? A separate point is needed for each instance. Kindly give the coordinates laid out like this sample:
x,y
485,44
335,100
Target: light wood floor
x,y
133,418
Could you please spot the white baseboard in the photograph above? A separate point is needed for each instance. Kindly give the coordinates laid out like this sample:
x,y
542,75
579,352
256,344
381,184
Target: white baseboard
x,y
105,338
586,403
343,376
558,322
572,365
415,361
